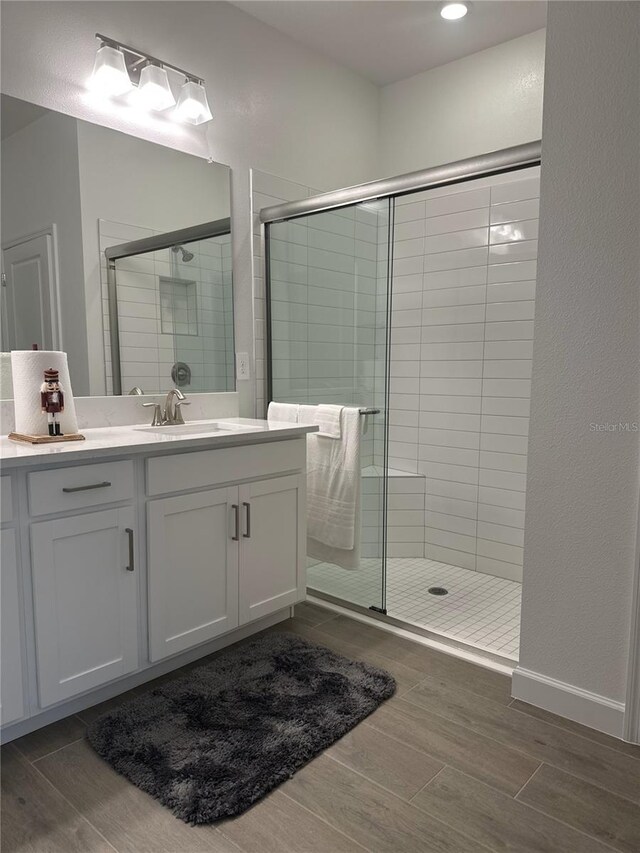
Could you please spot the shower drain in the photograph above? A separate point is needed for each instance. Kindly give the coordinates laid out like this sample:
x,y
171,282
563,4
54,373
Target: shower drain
x,y
438,590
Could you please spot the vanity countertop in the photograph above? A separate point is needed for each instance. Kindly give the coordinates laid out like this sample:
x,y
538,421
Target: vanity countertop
x,y
140,438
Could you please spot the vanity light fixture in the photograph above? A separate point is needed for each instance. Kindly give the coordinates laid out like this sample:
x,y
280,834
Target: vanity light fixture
x,y
120,69
193,106
154,91
454,11
110,76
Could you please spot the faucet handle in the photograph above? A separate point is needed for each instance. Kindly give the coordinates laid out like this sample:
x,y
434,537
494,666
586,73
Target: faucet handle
x,y
178,410
157,413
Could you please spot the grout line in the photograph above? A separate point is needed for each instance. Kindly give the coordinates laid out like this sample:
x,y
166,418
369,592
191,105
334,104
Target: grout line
x,y
562,822
75,809
443,823
59,749
426,785
577,734
522,787
533,808
324,820
523,751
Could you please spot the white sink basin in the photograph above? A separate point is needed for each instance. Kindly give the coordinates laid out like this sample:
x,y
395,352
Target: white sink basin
x,y
205,428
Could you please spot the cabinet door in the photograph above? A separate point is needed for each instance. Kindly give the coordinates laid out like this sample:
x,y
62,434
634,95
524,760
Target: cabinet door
x,y
11,663
272,549
85,599
193,570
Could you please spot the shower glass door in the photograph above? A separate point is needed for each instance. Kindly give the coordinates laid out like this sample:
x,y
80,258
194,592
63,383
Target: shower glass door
x,y
329,308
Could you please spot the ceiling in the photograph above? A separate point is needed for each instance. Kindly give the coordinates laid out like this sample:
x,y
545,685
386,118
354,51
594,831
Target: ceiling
x,y
15,115
388,41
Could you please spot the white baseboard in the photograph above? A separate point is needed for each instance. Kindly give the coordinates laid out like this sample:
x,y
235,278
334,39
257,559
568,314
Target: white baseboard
x,y
566,700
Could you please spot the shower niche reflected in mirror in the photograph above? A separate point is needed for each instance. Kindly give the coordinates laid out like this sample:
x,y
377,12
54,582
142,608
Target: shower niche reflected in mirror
x,y
171,310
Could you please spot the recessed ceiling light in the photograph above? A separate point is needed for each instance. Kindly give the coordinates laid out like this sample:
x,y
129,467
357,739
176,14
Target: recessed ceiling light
x,y
454,11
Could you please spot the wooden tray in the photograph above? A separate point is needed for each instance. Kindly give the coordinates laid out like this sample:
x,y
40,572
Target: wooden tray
x,y
44,439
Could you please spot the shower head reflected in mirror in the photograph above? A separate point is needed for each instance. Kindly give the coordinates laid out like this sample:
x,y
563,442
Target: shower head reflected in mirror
x,y
186,256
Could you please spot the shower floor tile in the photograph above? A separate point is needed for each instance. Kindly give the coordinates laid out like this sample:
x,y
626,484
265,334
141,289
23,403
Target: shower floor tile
x,y
479,609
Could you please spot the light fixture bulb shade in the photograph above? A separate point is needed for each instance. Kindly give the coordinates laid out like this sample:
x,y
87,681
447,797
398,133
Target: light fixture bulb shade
x,y
110,75
454,11
193,106
154,91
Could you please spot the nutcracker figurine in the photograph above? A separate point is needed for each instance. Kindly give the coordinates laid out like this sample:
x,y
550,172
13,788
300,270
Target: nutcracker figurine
x,y
52,400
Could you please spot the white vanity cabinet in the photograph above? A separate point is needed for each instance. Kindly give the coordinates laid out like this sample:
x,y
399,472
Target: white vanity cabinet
x,y
83,565
223,557
11,687
272,545
85,601
193,570
119,568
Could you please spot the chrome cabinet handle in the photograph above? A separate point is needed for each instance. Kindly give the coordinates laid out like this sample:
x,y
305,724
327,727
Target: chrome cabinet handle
x,y
236,510
129,533
247,535
70,489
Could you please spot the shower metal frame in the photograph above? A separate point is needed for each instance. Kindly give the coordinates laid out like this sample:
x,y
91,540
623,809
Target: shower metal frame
x,y
511,159
204,231
494,163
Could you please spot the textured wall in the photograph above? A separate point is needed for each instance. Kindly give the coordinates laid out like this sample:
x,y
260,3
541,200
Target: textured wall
x,y
277,105
583,484
483,102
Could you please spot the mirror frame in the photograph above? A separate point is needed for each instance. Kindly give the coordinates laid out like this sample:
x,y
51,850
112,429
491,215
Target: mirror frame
x,y
204,231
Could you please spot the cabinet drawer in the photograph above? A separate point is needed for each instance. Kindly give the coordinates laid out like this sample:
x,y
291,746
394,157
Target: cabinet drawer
x,y
80,487
214,467
6,499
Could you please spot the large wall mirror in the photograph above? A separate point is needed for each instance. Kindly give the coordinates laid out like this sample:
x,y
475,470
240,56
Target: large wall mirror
x,y
117,251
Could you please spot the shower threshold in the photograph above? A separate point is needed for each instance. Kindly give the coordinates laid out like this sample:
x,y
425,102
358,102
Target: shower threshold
x,y
480,613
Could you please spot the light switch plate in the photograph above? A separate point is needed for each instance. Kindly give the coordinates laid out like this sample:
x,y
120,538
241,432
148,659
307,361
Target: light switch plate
x,y
242,366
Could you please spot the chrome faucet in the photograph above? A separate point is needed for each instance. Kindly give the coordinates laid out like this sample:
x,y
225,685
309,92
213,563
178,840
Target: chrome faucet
x,y
172,412
173,409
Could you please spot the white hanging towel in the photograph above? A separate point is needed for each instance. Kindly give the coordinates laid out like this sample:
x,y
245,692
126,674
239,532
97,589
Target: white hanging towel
x,y
329,419
333,491
283,412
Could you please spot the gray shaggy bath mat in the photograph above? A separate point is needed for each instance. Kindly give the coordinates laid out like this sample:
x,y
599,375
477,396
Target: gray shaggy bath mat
x,y
211,743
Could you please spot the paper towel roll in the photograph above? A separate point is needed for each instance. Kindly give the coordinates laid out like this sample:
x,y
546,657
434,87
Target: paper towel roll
x,y
27,367
6,385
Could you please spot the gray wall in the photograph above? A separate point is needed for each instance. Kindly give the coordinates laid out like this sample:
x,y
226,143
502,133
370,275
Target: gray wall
x,y
40,187
483,102
583,484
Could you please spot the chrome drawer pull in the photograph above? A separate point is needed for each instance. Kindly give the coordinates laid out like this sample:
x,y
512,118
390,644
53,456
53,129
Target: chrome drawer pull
x,y
247,535
69,489
236,510
129,533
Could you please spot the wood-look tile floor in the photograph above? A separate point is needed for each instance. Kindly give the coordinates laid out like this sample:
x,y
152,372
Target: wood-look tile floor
x,y
449,764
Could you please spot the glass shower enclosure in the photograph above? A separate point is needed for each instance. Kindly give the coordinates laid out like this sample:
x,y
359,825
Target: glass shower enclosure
x,y
329,310
444,372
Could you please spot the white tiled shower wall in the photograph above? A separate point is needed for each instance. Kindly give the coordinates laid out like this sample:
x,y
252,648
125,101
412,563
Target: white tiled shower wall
x,y
324,282
146,353
462,334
